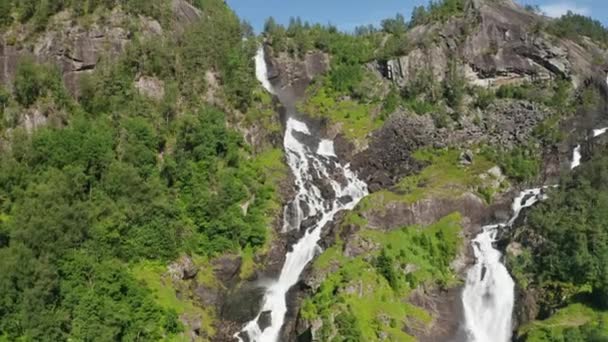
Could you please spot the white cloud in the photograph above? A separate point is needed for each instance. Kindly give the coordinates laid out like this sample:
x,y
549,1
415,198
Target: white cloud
x,y
559,9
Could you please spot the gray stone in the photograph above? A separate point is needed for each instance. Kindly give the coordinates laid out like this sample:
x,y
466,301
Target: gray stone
x,y
183,268
466,157
151,87
265,320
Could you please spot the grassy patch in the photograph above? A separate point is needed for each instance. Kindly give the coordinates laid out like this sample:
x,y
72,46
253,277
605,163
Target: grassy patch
x,y
248,265
272,164
331,256
153,275
444,177
356,118
262,112
275,171
429,250
419,256
568,324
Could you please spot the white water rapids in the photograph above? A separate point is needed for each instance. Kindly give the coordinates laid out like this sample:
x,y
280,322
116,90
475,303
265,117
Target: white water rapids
x,y
311,168
488,296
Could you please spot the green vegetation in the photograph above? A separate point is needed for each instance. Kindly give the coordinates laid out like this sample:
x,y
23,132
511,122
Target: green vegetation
x,y
440,10
443,177
355,117
573,226
38,13
575,322
575,26
567,264
521,163
557,95
367,296
118,184
153,275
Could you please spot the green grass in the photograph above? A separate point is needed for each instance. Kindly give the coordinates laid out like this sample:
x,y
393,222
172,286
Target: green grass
x,y
572,317
205,275
272,164
329,257
275,171
430,249
359,288
262,112
248,264
153,275
371,299
444,177
356,119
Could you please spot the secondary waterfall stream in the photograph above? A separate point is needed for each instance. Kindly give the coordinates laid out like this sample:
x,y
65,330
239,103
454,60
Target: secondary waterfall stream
x,y
489,292
324,187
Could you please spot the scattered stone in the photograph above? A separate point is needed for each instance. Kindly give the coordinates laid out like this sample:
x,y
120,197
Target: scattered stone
x,y
357,245
151,87
183,269
265,320
410,268
514,249
466,158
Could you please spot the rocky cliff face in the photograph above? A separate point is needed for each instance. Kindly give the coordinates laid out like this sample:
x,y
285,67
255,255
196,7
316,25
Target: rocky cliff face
x,y
77,47
389,156
290,76
498,42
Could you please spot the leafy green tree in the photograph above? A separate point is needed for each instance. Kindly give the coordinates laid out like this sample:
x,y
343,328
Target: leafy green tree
x,y
574,26
419,16
6,9
33,81
454,85
396,26
385,266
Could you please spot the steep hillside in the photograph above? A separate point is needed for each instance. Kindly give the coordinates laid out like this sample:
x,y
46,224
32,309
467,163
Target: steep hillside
x,y
145,193
140,182
449,113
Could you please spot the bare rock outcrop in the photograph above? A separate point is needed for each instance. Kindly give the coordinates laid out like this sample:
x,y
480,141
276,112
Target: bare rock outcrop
x,y
77,48
151,87
389,155
498,42
290,76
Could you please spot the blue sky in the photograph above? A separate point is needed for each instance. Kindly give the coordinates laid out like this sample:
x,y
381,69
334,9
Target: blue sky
x,y
346,14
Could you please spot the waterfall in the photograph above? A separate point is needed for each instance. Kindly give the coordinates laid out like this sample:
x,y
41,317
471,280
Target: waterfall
x,y
261,71
576,157
600,131
325,187
488,296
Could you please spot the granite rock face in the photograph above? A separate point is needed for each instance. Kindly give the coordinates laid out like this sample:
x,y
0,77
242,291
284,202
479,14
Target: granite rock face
x,y
497,42
290,76
389,155
76,48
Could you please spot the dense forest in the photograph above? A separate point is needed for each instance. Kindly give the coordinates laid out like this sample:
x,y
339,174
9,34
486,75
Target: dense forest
x,y
566,263
123,178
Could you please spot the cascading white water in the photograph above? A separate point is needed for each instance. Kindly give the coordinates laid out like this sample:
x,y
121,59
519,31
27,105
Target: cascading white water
x,y
310,168
576,157
488,296
600,131
261,71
